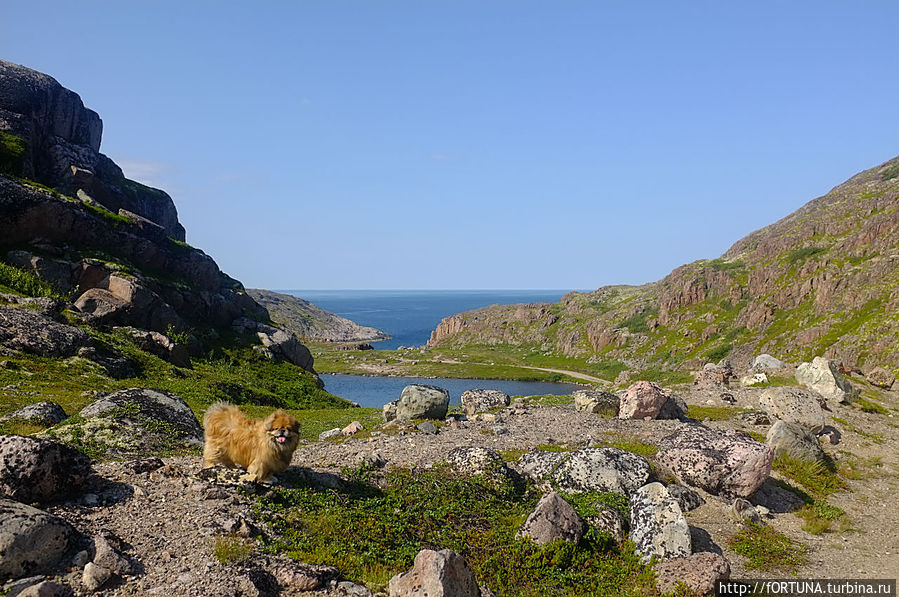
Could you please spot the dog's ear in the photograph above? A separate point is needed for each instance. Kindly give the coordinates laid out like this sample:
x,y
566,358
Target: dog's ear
x,y
295,426
269,422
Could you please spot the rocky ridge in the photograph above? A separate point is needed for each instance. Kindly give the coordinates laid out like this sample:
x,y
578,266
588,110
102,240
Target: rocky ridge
x,y
822,281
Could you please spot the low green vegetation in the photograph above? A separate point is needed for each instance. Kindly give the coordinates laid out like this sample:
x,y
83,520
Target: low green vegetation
x,y
373,527
767,550
719,352
798,255
112,218
890,172
632,443
12,154
870,406
820,517
713,413
231,550
637,323
18,281
819,478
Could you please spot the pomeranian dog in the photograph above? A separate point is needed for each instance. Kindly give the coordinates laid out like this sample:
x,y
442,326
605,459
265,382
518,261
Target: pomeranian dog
x,y
261,447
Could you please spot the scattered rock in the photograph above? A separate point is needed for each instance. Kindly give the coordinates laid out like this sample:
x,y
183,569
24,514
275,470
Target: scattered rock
x,y
795,441
39,413
108,554
427,427
352,429
686,497
47,588
162,346
701,572
792,405
823,376
441,573
642,399
608,520
31,331
32,541
598,402
418,401
298,576
38,470
370,460
753,380
765,362
94,577
553,519
712,377
755,417
478,401
881,378
602,469
728,464
741,510
658,527
336,432
479,461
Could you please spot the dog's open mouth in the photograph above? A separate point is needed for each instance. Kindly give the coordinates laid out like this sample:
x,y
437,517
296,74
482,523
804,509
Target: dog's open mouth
x,y
281,439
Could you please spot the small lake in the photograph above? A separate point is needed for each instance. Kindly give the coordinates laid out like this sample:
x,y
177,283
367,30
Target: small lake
x,y
375,392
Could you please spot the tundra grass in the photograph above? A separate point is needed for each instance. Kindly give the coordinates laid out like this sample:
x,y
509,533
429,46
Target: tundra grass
x,y
372,528
767,550
819,478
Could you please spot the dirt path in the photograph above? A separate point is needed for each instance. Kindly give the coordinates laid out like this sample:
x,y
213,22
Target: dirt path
x,y
573,374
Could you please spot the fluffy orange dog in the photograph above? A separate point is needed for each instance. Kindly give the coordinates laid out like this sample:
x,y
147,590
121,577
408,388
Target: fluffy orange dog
x,y
261,447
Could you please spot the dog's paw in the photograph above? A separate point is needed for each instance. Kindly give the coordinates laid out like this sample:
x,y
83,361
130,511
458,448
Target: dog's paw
x,y
247,478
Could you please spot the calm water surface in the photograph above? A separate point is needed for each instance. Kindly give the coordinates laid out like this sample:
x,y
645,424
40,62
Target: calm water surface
x,y
375,392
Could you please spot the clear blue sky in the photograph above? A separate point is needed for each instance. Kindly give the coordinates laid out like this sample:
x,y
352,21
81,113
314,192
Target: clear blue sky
x,y
473,143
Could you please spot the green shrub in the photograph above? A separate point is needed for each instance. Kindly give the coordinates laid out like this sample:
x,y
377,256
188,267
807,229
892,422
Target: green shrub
x,y
802,254
765,549
820,478
12,154
719,352
24,282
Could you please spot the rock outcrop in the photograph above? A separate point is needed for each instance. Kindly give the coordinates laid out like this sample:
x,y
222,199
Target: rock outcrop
x,y
38,470
35,333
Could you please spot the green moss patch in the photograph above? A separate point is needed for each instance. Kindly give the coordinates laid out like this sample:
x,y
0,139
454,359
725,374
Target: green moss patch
x,y
12,154
767,550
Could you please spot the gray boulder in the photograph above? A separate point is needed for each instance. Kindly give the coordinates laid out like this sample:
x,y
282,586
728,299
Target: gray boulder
x,y
686,497
795,441
792,405
540,465
32,541
41,413
132,423
728,464
608,520
742,510
674,408
162,346
765,362
598,402
602,469
642,399
418,401
286,345
482,462
478,401
881,378
441,573
47,588
658,527
38,470
553,519
30,331
823,376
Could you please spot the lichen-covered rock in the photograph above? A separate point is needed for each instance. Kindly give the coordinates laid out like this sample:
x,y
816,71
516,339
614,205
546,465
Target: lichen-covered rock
x,y
793,405
754,379
642,399
419,401
795,441
478,401
38,470
30,331
765,362
700,572
881,378
132,423
32,541
822,375
298,576
602,469
658,527
608,520
686,497
41,413
540,465
287,345
553,519
441,573
727,464
674,408
479,461
596,401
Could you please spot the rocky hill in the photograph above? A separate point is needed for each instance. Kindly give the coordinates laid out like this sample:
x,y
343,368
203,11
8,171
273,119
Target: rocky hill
x,y
307,321
822,281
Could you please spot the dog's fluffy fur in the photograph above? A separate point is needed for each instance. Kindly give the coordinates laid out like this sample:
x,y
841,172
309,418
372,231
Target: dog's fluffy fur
x,y
261,447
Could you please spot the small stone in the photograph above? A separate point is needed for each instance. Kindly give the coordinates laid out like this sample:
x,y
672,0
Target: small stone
x,y
427,427
90,500
330,433
81,558
741,510
95,577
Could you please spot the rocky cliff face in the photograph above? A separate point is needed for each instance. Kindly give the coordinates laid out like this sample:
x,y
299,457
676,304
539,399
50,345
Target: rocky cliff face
x,y
308,321
823,280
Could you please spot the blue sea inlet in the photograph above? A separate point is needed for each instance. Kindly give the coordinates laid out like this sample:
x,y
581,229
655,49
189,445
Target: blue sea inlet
x,y
375,392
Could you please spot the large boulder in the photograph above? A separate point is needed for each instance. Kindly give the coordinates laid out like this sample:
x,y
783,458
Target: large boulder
x,y
540,465
479,461
162,346
728,464
700,572
478,401
38,470
31,541
642,399
419,401
658,527
30,331
765,362
41,413
795,441
793,405
823,376
598,402
602,469
286,345
881,378
553,519
123,300
132,423
441,573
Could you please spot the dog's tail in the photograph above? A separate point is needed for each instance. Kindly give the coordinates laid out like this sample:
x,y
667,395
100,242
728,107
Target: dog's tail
x,y
221,417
